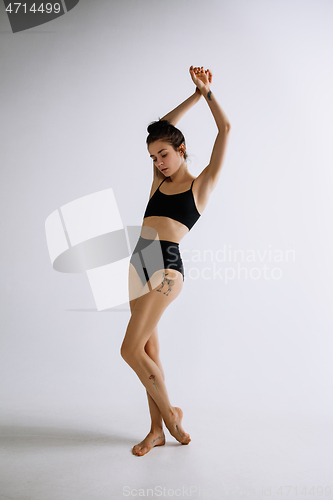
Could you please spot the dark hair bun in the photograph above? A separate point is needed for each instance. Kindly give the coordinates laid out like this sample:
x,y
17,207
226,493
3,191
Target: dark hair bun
x,y
159,126
165,131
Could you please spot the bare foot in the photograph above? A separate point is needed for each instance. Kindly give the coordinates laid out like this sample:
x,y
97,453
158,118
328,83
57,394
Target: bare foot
x,y
155,438
176,429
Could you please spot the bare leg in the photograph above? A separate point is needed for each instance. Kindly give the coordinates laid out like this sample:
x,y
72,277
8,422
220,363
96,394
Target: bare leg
x,y
152,349
155,436
146,314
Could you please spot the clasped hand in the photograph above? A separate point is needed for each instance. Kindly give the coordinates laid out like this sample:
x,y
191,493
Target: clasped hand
x,y
201,78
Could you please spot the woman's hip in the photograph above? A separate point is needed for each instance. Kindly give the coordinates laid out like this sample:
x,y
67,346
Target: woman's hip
x,y
157,254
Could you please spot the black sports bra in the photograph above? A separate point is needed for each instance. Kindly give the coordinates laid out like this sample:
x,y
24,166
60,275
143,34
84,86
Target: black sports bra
x,y
180,206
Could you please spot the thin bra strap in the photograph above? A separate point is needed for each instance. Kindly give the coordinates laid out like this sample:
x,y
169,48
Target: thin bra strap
x,y
161,183
192,183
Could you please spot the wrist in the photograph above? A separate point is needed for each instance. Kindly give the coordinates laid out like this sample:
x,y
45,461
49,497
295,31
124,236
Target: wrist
x,y
197,94
206,92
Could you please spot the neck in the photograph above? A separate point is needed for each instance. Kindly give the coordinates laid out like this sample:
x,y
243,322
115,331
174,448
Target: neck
x,y
180,175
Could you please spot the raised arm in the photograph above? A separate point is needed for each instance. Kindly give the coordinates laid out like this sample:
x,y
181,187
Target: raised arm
x,y
173,117
176,114
210,175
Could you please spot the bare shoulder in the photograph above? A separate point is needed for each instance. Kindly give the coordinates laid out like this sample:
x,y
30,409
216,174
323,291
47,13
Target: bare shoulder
x,y
202,189
154,185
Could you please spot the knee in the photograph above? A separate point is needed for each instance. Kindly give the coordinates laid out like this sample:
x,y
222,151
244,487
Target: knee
x,y
128,353
124,351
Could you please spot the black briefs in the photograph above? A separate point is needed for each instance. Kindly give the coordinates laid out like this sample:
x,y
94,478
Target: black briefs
x,y
150,256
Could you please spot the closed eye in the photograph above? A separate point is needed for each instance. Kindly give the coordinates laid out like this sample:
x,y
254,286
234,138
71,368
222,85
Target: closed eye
x,y
163,156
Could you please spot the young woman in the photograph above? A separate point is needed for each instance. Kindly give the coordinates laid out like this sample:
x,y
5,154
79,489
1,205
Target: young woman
x,y
156,274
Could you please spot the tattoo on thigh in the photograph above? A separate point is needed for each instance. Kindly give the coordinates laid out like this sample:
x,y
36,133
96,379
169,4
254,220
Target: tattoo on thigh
x,y
153,377
166,285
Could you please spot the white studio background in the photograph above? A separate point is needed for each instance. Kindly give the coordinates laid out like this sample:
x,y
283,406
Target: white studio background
x,y
76,97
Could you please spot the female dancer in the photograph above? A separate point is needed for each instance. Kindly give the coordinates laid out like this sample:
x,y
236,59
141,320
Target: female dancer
x,y
156,271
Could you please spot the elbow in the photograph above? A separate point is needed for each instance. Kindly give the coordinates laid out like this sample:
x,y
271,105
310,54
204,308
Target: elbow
x,y
225,127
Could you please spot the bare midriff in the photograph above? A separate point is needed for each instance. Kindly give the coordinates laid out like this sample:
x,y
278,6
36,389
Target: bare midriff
x,y
163,228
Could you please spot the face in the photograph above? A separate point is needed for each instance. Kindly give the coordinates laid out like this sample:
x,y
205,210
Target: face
x,y
165,158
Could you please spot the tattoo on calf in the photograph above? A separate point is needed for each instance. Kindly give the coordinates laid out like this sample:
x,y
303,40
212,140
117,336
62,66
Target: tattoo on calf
x,y
166,283
153,377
